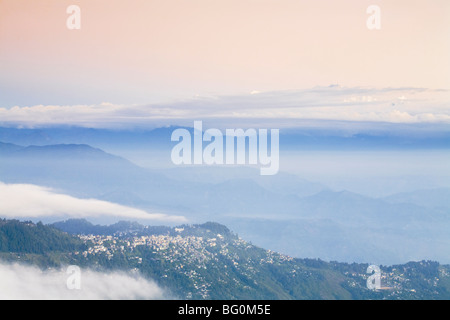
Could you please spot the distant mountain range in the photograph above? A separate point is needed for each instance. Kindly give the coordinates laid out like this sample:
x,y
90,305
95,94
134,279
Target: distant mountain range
x,y
208,261
290,139
434,198
283,213
88,172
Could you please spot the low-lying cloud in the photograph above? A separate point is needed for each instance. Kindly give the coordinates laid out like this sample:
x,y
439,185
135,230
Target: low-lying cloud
x,y
20,282
31,201
334,103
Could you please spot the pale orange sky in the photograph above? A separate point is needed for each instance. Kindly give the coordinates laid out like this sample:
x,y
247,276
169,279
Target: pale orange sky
x,y
139,51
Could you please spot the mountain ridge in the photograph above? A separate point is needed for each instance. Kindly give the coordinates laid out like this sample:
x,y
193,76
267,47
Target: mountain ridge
x,y
209,262
159,137
337,225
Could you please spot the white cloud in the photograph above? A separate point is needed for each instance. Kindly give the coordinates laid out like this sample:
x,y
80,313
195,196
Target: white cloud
x,y
416,105
31,201
19,282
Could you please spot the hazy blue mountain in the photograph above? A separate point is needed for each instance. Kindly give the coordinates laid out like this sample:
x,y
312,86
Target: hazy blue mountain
x,y
321,139
103,138
281,183
83,171
345,226
408,137
336,241
284,212
354,208
432,198
7,148
78,169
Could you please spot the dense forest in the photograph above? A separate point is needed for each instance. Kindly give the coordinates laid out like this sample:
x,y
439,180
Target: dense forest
x,y
27,237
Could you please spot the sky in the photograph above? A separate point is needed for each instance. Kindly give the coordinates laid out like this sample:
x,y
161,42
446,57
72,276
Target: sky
x,y
142,52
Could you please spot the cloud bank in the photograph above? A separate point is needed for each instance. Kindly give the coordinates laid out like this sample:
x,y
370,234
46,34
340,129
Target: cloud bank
x,y
392,105
19,282
31,201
